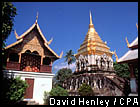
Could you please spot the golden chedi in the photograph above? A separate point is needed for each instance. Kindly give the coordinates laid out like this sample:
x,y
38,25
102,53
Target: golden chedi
x,y
93,52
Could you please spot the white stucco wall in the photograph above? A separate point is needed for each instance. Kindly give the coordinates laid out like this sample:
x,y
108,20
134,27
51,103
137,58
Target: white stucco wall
x,y
42,82
41,85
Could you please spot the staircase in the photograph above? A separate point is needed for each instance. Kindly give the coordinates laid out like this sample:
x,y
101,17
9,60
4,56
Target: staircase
x,y
32,103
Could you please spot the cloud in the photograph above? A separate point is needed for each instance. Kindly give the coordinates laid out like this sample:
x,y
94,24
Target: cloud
x,y
64,65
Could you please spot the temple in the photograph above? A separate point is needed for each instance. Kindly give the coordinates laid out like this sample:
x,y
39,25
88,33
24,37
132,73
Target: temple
x,y
94,66
93,52
31,58
131,58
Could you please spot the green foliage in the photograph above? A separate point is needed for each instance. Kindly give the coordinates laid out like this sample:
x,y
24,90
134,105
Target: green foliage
x,y
7,19
14,90
69,57
58,91
46,98
8,14
62,75
17,89
122,70
85,90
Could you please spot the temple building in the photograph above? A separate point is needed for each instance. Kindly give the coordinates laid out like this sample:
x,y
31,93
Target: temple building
x,y
131,58
31,58
94,66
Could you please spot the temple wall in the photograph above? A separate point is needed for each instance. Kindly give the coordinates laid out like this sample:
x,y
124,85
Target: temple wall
x,y
42,82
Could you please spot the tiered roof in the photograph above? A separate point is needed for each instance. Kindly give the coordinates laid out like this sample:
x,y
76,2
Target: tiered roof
x,y
46,43
93,43
132,54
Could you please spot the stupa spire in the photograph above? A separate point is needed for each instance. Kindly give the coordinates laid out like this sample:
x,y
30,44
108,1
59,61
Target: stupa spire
x,y
93,44
91,26
91,19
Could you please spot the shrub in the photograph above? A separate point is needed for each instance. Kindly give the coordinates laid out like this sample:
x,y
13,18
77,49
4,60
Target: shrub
x,y
85,90
58,91
16,90
61,76
46,98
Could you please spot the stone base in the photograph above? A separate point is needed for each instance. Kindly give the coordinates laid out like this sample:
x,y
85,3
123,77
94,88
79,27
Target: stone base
x,y
103,84
133,94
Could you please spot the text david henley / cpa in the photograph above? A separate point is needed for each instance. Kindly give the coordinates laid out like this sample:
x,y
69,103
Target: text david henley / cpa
x,y
97,101
81,101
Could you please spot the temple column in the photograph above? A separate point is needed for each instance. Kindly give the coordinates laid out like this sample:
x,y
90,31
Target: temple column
x,y
41,60
8,57
51,63
19,58
133,84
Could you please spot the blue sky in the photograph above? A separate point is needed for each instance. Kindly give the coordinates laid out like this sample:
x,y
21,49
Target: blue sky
x,y
67,23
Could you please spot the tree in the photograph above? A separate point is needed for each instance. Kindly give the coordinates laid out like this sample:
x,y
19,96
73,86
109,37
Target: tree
x,y
14,90
62,75
69,57
58,91
46,98
8,14
7,19
122,70
85,90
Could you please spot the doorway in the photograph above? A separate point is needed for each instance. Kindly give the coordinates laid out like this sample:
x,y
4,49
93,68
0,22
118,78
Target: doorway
x,y
29,89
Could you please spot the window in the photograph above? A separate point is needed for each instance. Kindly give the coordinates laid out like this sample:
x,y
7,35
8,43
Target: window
x,y
27,51
35,52
14,57
46,61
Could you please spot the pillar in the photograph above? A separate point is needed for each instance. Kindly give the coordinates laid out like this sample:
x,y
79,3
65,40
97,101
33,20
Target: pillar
x,y
8,57
51,63
19,58
41,60
133,84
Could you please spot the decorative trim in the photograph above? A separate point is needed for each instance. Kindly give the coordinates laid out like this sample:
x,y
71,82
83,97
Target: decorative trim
x,y
28,74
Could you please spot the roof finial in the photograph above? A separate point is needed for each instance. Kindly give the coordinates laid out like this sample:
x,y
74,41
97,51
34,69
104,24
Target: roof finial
x,y
50,41
137,26
17,37
61,55
115,55
91,19
36,17
127,42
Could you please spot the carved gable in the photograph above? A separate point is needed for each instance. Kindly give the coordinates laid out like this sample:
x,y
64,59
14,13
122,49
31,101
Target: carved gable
x,y
33,42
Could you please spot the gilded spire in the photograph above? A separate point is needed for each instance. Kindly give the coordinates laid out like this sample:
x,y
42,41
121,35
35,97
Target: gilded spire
x,y
91,19
93,45
91,26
